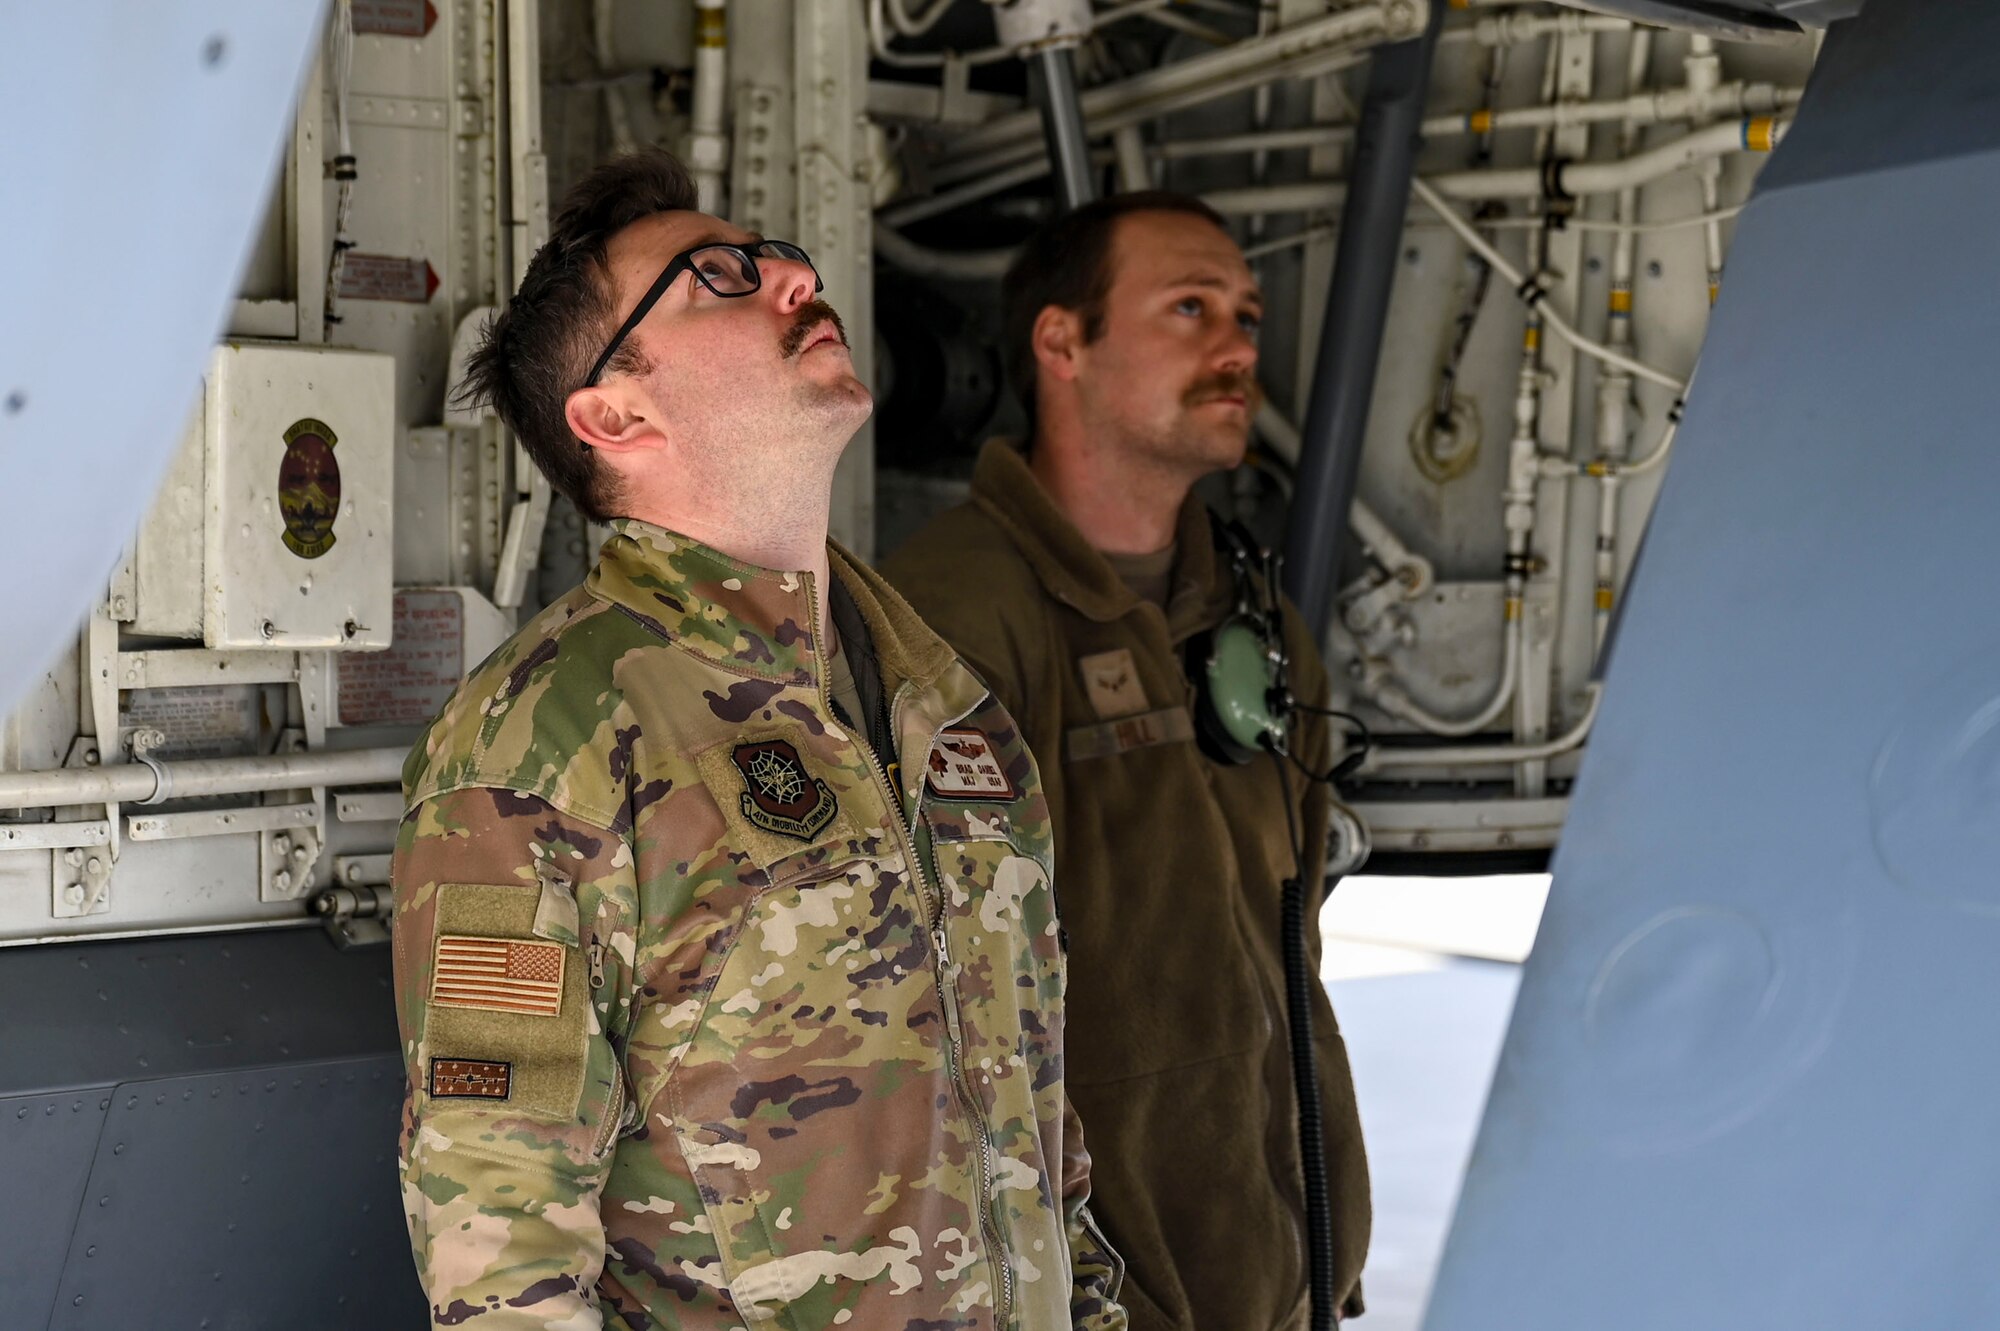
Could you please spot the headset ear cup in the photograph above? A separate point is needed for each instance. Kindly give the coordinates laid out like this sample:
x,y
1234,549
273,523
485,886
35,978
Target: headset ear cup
x,y
1232,685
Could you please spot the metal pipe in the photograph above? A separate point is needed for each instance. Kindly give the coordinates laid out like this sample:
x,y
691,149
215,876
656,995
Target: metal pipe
x,y
1357,306
1308,49
708,140
135,783
955,265
1464,755
1054,76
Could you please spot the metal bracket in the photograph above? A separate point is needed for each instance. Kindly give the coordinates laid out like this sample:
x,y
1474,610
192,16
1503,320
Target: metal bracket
x,y
285,862
355,916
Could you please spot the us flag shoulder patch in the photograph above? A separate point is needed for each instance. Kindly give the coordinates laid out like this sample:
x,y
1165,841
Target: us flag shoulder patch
x,y
498,975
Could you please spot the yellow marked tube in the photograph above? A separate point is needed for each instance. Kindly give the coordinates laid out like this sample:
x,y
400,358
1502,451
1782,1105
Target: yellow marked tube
x,y
1759,133
711,28
1714,290
1621,300
1603,597
1479,121
1513,608
1531,337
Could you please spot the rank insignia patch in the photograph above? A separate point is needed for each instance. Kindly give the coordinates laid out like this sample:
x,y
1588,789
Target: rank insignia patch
x,y
1111,681
498,975
471,1078
963,767
779,794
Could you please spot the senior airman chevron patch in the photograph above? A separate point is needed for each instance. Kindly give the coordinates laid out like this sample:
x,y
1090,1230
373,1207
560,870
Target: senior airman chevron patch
x,y
498,975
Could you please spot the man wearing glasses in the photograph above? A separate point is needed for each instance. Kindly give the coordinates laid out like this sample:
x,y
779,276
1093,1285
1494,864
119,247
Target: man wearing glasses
x,y
726,957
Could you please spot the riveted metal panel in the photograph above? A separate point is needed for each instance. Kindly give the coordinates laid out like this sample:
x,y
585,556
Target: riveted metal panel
x,y
46,1146
95,1014
256,1198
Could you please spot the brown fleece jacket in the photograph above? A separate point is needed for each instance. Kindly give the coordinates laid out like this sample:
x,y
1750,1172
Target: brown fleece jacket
x,y
1169,873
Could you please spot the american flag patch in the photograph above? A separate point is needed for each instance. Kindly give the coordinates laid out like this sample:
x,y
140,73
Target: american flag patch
x,y
498,975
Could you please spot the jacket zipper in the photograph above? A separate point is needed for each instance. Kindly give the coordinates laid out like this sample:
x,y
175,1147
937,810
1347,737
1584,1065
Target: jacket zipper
x,y
947,994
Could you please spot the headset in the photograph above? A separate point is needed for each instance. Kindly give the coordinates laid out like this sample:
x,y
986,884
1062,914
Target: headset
x,y
1241,672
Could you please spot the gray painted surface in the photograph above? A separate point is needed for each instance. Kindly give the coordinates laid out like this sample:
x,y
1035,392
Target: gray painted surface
x,y
103,1013
46,1146
186,108
206,1127
252,1200
1748,1080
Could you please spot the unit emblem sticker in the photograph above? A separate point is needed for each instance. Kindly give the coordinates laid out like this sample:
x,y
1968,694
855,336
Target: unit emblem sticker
x,y
309,488
779,794
498,975
963,766
1112,682
471,1078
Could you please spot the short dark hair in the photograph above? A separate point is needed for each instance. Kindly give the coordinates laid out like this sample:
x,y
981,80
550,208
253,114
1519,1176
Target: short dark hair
x,y
1067,263
540,348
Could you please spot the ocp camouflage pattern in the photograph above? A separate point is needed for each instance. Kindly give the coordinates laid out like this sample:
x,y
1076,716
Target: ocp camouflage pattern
x,y
769,1095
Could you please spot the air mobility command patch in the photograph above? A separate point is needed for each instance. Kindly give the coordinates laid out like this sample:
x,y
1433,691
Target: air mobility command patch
x,y
779,794
962,766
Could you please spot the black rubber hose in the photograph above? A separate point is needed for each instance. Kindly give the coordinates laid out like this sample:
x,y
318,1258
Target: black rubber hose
x,y
1299,981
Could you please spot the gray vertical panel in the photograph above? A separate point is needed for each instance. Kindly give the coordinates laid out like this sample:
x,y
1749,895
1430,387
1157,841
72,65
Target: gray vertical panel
x,y
253,1199
46,1145
1750,1078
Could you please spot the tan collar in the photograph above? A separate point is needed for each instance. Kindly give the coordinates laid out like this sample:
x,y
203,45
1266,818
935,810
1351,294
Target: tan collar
x,y
1073,571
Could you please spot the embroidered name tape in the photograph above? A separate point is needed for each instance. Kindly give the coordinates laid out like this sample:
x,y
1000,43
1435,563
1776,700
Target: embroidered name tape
x,y
1169,725
963,766
471,1078
498,975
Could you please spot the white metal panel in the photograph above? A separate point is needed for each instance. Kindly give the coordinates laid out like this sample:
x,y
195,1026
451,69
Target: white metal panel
x,y
167,561
300,457
127,212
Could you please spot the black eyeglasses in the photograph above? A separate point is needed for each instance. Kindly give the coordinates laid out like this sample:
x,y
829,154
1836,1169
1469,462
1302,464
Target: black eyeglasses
x,y
726,270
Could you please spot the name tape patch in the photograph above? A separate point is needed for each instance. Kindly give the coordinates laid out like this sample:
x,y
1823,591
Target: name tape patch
x,y
963,766
1168,725
498,975
471,1078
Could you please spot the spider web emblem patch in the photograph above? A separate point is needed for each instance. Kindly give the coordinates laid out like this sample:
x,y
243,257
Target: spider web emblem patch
x,y
779,794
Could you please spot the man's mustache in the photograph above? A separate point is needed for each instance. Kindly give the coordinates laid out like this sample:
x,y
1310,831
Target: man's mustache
x,y
1230,383
811,315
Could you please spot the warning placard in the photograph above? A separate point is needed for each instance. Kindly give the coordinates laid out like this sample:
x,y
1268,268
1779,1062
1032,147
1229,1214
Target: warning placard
x,y
395,18
410,682
387,277
206,721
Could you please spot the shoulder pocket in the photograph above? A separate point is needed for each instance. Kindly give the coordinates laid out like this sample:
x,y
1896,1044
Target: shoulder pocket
x,y
507,1015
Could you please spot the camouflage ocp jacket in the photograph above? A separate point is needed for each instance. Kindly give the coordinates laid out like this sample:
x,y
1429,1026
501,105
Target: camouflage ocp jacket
x,y
711,1017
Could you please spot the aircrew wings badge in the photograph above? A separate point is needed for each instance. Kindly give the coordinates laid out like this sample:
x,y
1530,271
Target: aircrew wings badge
x,y
963,766
779,794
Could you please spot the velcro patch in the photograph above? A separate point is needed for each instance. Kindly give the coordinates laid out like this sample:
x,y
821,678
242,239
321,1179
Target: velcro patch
x,y
471,1078
962,766
779,794
498,975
